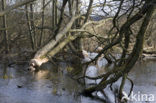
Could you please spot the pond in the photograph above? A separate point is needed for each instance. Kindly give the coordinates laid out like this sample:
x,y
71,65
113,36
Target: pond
x,y
21,86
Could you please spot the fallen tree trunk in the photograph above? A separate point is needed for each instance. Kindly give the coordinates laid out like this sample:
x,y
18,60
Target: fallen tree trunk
x,y
61,45
39,61
40,56
44,50
53,47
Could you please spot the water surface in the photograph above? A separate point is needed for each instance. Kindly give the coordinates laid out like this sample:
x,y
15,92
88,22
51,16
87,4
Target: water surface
x,y
22,86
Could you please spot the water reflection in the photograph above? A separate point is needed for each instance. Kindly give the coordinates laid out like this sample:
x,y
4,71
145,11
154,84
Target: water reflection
x,y
42,87
57,87
144,77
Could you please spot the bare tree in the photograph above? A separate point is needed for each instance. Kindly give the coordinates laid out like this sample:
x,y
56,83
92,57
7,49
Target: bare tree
x,y
5,26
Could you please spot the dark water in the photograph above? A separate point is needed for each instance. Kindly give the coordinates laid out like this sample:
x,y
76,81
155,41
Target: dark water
x,y
21,86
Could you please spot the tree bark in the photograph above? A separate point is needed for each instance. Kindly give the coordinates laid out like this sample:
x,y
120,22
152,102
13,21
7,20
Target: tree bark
x,y
42,24
29,27
52,43
5,26
33,25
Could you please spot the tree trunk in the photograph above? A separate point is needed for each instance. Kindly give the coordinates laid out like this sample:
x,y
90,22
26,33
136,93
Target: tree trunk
x,y
42,24
5,26
41,54
33,25
29,27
